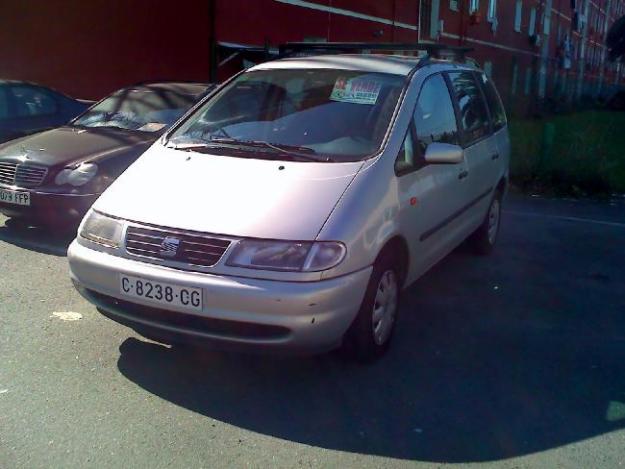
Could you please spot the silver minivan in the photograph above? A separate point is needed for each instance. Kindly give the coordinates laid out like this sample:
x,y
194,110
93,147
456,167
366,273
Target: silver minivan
x,y
288,210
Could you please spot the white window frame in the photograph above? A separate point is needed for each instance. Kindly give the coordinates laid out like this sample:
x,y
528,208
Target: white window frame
x,y
491,14
515,79
518,16
547,23
528,81
488,68
531,30
474,5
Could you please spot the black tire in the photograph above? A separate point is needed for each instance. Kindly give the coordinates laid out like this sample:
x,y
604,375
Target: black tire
x,y
484,239
362,340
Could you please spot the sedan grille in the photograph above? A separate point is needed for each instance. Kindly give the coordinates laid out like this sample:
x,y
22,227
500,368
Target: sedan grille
x,y
175,246
21,174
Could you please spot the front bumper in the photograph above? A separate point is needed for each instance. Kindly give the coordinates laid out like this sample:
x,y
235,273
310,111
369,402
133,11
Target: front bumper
x,y
49,208
239,313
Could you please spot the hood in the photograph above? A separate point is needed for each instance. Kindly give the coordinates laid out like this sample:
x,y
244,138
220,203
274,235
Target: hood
x,y
71,145
229,196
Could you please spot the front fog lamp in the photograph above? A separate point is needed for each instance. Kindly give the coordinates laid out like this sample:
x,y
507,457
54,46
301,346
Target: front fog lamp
x,y
286,255
78,176
101,229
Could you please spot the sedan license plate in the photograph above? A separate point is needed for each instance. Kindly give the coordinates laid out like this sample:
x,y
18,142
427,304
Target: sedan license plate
x,y
14,197
161,293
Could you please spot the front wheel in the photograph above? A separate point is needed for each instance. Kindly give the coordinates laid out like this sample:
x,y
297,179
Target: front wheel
x,y
370,334
485,237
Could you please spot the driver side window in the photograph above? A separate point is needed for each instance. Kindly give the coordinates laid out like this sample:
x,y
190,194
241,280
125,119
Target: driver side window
x,y
434,121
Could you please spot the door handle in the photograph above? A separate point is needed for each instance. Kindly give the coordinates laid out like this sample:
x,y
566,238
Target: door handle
x,y
463,174
495,156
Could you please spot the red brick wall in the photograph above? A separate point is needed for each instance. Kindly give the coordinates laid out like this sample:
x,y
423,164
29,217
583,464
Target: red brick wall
x,y
88,48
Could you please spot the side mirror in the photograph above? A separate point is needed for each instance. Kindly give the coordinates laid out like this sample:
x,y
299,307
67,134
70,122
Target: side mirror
x,y
444,153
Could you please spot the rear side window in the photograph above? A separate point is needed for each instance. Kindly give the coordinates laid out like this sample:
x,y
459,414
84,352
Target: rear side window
x,y
493,100
434,116
31,101
474,116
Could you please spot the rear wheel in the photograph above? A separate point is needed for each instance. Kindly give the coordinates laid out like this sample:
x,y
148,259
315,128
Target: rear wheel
x,y
485,237
371,332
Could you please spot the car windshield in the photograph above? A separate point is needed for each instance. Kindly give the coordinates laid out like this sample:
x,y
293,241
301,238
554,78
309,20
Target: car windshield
x,y
147,110
335,115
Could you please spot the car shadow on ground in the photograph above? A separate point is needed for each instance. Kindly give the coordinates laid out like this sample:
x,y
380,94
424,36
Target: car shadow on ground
x,y
37,239
483,368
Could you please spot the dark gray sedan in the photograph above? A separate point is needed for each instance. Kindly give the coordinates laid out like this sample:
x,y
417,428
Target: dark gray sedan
x,y
26,108
53,177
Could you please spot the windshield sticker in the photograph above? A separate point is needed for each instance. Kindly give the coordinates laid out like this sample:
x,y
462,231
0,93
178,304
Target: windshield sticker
x,y
152,127
356,90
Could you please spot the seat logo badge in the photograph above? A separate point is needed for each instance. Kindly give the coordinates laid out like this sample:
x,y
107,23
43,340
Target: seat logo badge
x,y
169,247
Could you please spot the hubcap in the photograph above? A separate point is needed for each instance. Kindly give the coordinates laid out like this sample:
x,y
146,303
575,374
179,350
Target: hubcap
x,y
493,221
385,307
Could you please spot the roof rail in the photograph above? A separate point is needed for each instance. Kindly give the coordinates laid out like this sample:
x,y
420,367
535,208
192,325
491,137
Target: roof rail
x,y
433,50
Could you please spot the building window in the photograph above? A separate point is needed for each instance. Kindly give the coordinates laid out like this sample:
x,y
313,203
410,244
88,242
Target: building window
x,y
453,5
542,81
518,16
492,9
474,5
515,78
528,81
488,68
532,27
547,22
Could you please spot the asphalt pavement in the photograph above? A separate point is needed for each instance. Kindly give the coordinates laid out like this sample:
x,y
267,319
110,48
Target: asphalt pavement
x,y
512,360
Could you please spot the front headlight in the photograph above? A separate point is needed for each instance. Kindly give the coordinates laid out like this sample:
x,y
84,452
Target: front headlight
x,y
102,229
286,255
78,176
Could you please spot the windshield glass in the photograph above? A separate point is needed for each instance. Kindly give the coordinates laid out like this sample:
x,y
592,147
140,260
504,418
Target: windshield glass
x,y
342,115
147,110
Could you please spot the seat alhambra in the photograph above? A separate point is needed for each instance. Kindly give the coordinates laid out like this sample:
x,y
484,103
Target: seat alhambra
x,y
287,211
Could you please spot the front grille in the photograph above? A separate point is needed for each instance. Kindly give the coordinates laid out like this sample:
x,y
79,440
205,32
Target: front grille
x,y
193,249
21,174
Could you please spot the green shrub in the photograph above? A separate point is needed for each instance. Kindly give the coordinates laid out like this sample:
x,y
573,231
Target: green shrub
x,y
587,156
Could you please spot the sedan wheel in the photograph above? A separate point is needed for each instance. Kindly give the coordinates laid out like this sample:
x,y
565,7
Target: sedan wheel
x,y
370,334
385,307
493,220
485,237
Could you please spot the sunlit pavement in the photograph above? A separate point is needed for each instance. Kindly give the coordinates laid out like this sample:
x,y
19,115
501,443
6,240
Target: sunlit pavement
x,y
515,360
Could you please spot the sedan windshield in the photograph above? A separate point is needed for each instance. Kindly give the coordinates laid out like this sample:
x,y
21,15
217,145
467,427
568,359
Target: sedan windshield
x,y
329,115
147,110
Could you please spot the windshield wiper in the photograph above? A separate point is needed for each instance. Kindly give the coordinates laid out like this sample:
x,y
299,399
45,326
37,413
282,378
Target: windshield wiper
x,y
294,152
291,150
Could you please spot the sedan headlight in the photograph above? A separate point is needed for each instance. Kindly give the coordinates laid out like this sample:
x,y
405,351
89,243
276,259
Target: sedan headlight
x,y
101,229
287,255
78,176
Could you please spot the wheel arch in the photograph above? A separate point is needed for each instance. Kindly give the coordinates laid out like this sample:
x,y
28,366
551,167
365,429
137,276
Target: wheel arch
x,y
502,185
397,248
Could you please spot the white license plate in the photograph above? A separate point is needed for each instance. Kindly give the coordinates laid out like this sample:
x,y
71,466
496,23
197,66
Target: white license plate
x,y
165,294
14,197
